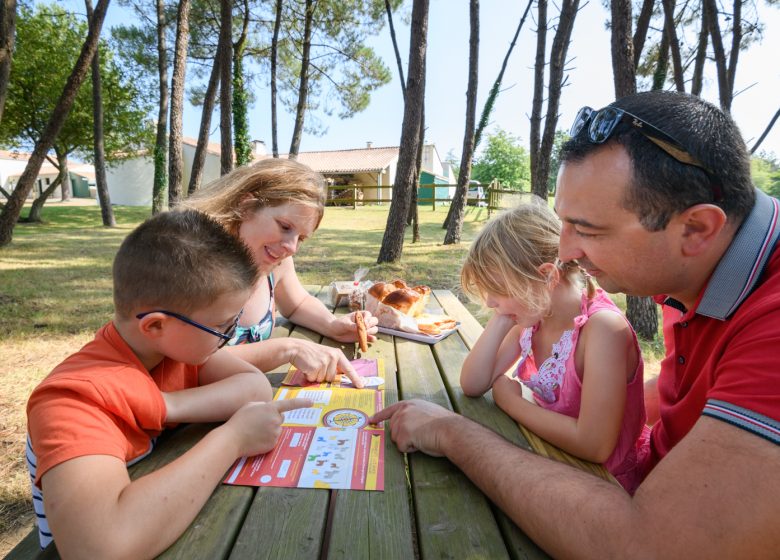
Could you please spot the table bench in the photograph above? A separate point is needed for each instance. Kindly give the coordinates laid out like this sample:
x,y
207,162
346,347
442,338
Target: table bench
x,y
428,509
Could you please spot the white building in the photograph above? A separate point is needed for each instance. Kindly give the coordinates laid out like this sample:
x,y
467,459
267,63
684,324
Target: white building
x,y
13,164
130,181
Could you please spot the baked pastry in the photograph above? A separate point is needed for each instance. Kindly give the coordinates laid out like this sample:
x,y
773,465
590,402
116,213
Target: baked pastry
x,y
397,306
361,331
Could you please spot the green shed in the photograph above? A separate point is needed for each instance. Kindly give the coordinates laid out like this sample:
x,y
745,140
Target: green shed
x,y
432,186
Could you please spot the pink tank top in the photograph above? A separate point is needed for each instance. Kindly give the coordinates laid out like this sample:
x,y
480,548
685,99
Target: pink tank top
x,y
557,387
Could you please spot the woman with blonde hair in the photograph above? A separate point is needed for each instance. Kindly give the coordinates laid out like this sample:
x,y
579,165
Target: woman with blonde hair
x,y
571,345
273,206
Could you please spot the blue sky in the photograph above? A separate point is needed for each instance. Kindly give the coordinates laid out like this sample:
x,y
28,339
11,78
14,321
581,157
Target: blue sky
x,y
589,78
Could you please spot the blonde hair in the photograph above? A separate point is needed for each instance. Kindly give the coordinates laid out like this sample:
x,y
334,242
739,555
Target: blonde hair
x,y
505,257
268,183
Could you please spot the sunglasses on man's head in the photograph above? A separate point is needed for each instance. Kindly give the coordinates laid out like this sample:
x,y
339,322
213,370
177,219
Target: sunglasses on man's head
x,y
601,125
224,336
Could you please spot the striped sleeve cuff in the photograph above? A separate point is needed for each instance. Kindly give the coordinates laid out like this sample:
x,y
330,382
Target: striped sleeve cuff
x,y
753,422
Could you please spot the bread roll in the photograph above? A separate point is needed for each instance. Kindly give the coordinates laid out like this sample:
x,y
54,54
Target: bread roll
x,y
380,290
404,300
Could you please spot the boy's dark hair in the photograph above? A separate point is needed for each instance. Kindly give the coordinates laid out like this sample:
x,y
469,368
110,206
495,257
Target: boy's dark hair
x,y
179,261
663,186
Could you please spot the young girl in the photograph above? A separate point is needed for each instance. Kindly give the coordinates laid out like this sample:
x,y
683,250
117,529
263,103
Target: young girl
x,y
576,351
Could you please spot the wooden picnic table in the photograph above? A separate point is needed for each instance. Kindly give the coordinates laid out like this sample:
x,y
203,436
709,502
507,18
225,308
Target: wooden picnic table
x,y
428,508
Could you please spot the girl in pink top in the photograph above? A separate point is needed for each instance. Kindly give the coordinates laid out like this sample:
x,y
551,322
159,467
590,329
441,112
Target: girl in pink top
x,y
554,332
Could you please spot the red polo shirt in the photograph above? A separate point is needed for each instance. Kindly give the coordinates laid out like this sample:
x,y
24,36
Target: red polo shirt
x,y
723,357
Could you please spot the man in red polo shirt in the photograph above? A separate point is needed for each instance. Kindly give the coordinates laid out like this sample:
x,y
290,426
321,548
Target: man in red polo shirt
x,y
655,197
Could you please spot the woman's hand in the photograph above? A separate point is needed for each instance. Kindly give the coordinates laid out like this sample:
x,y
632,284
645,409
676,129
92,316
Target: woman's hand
x,y
320,363
344,329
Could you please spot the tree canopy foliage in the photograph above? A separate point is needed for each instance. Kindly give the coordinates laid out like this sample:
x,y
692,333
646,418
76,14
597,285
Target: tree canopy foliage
x,y
504,158
48,42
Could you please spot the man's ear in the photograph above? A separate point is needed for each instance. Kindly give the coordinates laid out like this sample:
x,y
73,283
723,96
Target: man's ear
x,y
153,325
701,227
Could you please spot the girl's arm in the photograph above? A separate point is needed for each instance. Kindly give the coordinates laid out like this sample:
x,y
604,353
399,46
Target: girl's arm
x,y
300,307
609,361
495,351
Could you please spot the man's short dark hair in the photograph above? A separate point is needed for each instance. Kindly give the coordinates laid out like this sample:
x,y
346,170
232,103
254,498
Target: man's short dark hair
x,y
663,186
180,261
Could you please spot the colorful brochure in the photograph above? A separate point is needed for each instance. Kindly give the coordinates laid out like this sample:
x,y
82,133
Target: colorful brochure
x,y
331,444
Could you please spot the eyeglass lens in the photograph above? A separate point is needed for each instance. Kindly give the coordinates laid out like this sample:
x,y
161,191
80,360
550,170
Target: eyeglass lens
x,y
603,124
582,118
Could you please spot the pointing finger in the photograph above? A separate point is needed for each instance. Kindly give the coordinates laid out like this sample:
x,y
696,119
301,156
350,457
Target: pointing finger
x,y
346,367
286,405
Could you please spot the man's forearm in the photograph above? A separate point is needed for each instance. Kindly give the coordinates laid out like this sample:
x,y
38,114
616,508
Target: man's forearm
x,y
569,513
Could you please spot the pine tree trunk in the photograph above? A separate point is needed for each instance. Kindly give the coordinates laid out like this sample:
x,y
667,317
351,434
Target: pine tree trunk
x,y
397,52
106,212
540,173
225,50
393,240
622,49
13,207
640,34
537,102
240,117
697,81
160,186
458,206
199,159
642,313
662,64
36,207
175,156
7,38
274,58
303,86
674,44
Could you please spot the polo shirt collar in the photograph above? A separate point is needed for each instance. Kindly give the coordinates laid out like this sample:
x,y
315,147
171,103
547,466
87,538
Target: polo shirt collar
x,y
743,263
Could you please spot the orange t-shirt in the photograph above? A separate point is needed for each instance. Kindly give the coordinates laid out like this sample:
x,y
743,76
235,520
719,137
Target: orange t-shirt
x,y
101,401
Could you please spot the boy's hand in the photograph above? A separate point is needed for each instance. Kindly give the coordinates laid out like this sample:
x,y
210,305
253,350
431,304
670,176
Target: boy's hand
x,y
257,425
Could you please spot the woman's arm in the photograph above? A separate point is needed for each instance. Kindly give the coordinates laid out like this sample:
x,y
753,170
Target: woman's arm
x,y
608,358
494,352
300,307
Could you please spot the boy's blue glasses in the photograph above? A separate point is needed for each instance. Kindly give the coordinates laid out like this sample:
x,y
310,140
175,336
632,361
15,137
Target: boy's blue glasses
x,y
225,336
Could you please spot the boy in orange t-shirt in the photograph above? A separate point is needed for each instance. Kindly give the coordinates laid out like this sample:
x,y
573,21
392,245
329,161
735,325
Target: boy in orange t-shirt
x,y
180,282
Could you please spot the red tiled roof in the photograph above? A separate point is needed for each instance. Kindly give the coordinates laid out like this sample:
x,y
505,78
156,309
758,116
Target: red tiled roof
x,y
349,161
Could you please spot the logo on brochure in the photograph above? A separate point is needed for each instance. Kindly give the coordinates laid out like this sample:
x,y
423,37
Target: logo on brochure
x,y
345,418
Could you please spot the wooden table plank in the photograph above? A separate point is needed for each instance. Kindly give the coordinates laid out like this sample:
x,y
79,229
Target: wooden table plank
x,y
376,525
469,329
453,517
285,523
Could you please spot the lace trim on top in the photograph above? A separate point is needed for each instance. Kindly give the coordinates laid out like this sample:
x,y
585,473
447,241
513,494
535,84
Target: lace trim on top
x,y
546,381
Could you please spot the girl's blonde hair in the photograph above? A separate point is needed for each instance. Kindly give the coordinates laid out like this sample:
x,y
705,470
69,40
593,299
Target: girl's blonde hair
x,y
267,183
505,257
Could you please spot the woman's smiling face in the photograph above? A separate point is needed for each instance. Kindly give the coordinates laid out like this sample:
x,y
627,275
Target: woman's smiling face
x,y
276,232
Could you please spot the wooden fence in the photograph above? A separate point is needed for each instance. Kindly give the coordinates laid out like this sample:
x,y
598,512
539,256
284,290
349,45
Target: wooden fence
x,y
354,196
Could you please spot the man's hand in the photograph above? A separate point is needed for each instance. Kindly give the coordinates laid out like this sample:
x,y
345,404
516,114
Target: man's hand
x,y
256,426
320,363
417,425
